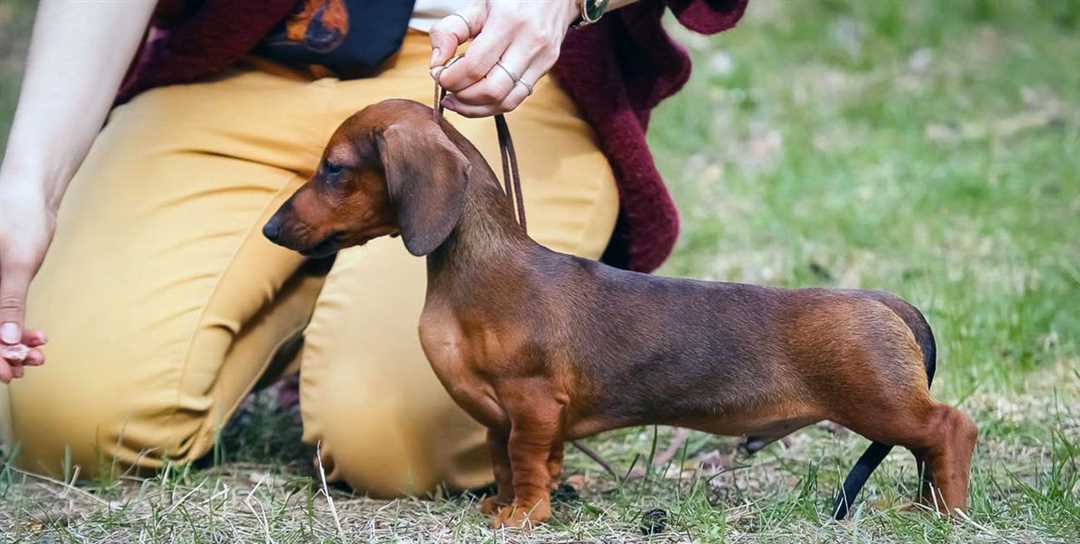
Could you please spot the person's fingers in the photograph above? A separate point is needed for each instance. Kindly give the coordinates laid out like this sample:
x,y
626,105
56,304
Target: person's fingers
x,y
481,57
468,110
5,372
453,30
489,91
35,358
501,79
514,99
34,338
16,371
10,329
517,94
523,88
14,282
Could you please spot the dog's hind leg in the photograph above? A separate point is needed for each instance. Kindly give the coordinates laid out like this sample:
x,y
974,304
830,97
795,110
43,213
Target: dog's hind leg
x,y
941,436
947,461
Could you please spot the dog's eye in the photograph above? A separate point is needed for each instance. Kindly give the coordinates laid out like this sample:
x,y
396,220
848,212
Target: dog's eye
x,y
331,170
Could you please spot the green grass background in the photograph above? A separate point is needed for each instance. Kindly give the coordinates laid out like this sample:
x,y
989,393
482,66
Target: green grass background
x,y
868,144
927,148
16,20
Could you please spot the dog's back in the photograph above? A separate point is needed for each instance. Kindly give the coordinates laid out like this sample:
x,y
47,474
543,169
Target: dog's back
x,y
680,350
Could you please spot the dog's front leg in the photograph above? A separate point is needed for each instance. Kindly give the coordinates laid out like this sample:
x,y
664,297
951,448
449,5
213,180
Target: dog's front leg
x,y
555,462
534,431
500,463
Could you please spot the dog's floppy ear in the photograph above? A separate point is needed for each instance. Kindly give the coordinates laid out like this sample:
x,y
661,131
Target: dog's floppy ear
x,y
426,175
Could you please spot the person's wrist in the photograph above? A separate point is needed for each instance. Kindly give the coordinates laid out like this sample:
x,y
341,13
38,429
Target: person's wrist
x,y
19,189
574,13
23,181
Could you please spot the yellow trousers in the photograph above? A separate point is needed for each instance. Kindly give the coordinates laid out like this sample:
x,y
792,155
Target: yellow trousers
x,y
165,306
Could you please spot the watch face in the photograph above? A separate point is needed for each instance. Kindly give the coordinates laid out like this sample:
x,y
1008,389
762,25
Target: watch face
x,y
595,8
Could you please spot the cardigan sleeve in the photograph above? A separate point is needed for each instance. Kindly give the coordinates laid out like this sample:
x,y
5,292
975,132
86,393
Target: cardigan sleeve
x,y
708,16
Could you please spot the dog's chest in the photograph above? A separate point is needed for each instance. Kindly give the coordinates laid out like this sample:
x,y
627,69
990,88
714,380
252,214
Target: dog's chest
x,y
466,354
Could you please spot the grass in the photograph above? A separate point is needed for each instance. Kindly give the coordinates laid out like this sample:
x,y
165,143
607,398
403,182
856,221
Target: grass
x,y
925,148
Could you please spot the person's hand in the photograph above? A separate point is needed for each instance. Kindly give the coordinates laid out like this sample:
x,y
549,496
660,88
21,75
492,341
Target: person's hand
x,y
26,228
79,53
516,43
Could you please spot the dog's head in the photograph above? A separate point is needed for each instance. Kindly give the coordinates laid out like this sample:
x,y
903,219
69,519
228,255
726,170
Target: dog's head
x,y
388,169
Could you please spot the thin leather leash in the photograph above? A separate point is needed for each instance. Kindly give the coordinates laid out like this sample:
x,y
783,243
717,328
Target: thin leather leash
x,y
511,174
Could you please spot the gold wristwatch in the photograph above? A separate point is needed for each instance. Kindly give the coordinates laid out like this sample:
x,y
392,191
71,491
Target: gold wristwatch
x,y
591,12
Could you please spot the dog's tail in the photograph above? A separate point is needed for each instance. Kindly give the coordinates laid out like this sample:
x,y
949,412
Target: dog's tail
x,y
875,454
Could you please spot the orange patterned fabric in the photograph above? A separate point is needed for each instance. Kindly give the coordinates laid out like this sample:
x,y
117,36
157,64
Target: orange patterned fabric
x,y
346,38
320,24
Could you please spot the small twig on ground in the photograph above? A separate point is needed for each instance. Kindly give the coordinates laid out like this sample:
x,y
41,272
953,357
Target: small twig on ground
x,y
261,518
677,442
326,488
184,499
69,485
963,515
65,485
595,457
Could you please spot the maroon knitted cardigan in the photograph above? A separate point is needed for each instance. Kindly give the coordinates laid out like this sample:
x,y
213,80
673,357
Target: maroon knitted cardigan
x,y
616,71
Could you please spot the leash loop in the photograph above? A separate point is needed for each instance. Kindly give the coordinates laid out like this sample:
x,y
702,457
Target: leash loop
x,y
511,175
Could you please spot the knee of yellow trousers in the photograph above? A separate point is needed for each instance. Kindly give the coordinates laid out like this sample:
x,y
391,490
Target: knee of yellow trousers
x,y
390,449
104,408
105,435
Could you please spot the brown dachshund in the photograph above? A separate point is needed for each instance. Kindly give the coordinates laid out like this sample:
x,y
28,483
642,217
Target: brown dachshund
x,y
543,347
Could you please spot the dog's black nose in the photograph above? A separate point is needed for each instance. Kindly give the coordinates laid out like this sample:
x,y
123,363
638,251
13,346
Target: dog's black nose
x,y
272,229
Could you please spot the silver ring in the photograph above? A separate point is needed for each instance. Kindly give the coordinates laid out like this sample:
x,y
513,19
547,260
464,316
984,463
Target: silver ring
x,y
438,70
468,25
526,85
508,72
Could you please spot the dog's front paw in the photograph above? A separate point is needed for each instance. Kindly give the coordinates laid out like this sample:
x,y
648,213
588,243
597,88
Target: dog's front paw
x,y
523,515
491,505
